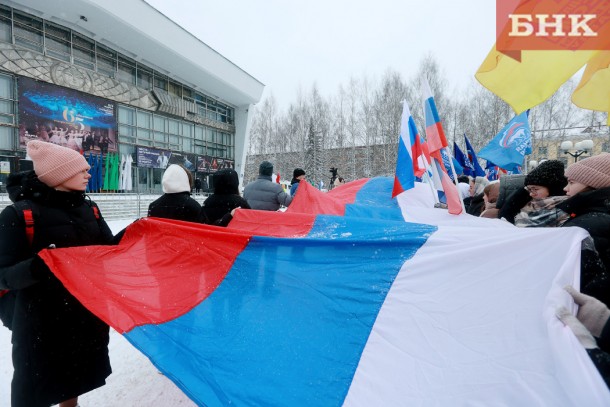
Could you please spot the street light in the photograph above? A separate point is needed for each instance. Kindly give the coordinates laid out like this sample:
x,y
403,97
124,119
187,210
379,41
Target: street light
x,y
581,147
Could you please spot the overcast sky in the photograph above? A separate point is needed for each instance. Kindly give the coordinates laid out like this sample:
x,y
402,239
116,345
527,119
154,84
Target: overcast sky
x,y
292,44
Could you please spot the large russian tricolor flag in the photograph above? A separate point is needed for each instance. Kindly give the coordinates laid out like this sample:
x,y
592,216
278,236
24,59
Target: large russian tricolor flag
x,y
339,301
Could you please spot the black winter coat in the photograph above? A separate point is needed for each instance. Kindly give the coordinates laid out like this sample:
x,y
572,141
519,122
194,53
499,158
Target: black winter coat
x,y
477,203
217,207
60,349
591,211
178,206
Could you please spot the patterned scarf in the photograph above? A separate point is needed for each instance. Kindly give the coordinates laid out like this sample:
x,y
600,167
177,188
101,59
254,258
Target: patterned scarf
x,y
542,213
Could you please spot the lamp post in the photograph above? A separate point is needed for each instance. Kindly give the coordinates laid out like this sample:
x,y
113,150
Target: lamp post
x,y
581,147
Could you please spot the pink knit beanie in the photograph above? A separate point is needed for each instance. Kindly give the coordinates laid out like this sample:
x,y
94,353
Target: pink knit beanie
x,y
593,171
55,164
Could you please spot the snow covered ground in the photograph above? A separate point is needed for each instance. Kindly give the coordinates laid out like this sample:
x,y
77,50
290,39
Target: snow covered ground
x,y
134,380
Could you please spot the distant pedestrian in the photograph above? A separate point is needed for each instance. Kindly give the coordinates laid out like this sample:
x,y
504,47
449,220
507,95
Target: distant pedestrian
x,y
197,185
176,202
297,175
263,194
218,208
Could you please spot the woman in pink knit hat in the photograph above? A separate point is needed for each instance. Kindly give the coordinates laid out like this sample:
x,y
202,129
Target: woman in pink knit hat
x,y
60,349
588,206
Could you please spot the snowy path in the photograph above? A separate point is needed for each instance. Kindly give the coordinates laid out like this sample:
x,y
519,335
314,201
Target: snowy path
x,y
134,382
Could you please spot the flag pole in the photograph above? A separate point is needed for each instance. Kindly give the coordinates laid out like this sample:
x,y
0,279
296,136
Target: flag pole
x,y
426,177
432,189
455,177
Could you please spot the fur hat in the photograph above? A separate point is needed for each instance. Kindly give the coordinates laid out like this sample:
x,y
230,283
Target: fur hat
x,y
548,174
593,172
298,172
266,168
175,180
55,164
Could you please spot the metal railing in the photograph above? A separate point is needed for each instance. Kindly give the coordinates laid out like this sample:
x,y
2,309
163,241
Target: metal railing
x,y
118,206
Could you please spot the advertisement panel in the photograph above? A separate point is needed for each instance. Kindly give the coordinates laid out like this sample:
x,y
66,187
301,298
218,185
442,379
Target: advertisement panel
x,y
188,161
206,163
67,117
148,157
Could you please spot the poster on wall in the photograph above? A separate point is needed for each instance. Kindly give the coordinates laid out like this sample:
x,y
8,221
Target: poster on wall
x,y
67,117
225,163
148,157
206,163
186,160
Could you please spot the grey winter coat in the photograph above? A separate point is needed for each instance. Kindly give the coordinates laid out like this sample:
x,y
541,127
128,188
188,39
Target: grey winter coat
x,y
265,195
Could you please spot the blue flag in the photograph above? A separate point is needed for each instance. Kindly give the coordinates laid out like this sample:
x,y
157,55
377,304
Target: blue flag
x,y
98,174
491,171
462,158
508,149
91,172
472,157
458,167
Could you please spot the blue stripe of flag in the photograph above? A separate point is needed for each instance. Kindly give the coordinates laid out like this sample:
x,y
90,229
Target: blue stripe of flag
x,y
431,113
288,324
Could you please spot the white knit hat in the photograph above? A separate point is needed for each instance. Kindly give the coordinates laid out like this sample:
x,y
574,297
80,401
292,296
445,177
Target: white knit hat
x,y
175,180
55,164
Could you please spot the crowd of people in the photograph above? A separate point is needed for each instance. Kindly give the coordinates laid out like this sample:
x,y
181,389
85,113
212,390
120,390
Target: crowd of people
x,y
60,349
551,196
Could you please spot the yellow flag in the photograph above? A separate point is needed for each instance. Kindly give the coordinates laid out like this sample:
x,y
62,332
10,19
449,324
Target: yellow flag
x,y
593,91
530,82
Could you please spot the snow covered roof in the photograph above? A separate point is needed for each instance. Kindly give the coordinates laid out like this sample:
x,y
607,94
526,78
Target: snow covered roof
x,y
141,32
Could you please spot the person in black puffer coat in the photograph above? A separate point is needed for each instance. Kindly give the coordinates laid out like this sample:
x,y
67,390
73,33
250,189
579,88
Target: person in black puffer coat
x,y
219,207
588,207
176,202
60,349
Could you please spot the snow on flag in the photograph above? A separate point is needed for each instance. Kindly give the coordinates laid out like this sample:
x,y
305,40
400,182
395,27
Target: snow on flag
x,y
409,151
509,147
350,306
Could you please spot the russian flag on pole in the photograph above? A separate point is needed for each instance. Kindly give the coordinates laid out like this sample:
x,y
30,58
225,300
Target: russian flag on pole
x,y
436,142
351,306
435,134
409,151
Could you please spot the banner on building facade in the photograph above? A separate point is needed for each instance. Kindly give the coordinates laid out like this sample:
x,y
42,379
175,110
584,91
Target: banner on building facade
x,y
148,157
66,117
206,163
186,160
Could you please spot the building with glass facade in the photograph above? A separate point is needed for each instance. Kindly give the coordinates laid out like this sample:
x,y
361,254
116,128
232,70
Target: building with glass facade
x,y
113,77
